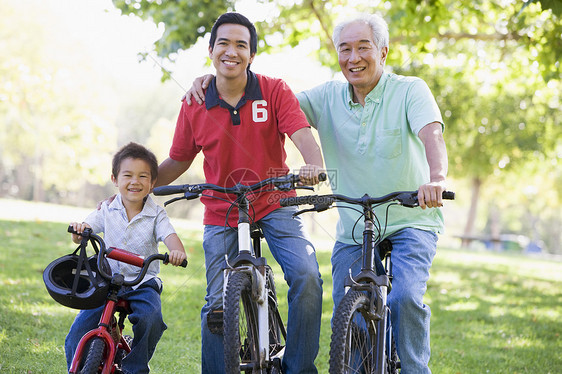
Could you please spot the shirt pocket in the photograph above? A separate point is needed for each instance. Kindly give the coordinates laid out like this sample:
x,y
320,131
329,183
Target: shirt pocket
x,y
388,143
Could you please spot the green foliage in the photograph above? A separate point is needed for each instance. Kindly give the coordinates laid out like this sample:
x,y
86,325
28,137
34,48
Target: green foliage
x,y
490,312
185,21
533,25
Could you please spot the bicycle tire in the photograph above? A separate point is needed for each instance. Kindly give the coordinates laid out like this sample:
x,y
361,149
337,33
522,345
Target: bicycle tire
x,y
277,333
240,325
94,358
354,336
393,363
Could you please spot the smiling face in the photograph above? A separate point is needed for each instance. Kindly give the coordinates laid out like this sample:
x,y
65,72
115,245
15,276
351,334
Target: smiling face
x,y
361,61
134,181
231,51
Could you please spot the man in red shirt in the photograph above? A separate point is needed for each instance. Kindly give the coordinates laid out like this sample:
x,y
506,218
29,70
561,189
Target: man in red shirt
x,y
241,130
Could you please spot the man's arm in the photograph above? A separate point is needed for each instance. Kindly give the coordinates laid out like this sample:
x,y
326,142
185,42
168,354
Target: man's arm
x,y
310,151
169,170
430,194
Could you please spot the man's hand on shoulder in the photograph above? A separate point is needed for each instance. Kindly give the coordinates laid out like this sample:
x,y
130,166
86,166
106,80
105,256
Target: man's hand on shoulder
x,y
109,201
197,90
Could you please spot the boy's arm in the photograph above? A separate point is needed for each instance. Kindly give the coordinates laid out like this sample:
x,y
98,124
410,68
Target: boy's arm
x,y
175,246
310,151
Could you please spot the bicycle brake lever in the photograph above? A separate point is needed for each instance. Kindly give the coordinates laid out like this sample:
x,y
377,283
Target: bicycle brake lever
x,y
408,200
173,200
187,196
284,187
303,211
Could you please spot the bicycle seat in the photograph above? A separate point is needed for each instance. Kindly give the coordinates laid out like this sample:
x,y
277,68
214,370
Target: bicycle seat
x,y
385,247
124,306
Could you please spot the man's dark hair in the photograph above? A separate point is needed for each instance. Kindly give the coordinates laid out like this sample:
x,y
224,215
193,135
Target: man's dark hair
x,y
135,151
237,19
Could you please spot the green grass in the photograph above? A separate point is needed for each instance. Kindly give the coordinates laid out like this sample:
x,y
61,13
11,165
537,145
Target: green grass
x,y
491,313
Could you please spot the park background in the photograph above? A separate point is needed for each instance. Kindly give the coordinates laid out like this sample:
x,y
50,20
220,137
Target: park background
x,y
79,79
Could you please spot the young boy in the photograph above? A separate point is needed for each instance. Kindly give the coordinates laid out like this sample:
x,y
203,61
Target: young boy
x,y
134,222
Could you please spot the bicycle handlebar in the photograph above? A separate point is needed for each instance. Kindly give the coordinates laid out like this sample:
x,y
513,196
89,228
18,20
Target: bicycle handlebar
x,y
323,202
122,256
192,191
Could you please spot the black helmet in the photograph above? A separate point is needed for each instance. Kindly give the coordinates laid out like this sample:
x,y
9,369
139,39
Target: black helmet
x,y
88,290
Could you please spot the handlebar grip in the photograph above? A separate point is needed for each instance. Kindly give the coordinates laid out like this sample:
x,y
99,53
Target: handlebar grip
x,y
86,233
170,190
448,195
166,260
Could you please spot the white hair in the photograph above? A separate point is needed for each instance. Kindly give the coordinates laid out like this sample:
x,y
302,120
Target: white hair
x,y
378,26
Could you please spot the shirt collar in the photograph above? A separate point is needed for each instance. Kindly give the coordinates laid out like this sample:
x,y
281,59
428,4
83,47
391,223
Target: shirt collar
x,y
375,94
149,208
251,92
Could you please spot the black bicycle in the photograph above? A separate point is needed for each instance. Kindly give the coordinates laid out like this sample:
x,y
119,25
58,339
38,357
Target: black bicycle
x,y
362,339
254,333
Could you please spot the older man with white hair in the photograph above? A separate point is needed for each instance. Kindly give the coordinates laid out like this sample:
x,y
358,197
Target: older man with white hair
x,y
383,132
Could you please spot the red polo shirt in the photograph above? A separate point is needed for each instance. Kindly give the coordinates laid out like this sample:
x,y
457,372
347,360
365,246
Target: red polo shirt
x,y
242,144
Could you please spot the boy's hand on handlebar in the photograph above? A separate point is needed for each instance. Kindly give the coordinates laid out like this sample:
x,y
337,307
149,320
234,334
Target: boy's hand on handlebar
x,y
176,257
430,195
79,228
308,174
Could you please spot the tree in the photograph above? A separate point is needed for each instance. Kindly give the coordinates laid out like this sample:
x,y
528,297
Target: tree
x,y
48,140
533,24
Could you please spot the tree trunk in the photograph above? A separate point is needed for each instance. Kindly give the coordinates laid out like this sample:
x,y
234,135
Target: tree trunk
x,y
468,230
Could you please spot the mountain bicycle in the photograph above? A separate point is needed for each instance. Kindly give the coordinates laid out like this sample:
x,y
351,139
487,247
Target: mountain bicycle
x,y
101,350
254,332
362,339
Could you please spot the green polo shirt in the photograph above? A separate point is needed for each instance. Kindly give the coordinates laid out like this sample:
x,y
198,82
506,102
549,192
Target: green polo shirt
x,y
375,149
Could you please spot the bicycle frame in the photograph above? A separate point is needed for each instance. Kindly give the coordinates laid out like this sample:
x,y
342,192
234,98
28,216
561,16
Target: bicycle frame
x,y
103,331
376,285
249,260
112,305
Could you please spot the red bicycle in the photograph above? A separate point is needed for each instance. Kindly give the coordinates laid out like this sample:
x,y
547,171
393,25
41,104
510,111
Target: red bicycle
x,y
80,282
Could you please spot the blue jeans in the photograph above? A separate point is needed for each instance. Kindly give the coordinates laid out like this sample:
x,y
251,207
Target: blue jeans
x,y
412,255
148,326
294,252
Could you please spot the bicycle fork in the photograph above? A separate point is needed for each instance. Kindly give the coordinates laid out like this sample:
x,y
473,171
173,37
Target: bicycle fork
x,y
247,262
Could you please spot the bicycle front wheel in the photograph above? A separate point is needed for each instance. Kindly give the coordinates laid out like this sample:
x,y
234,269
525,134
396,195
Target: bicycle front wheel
x,y
94,359
241,346
354,336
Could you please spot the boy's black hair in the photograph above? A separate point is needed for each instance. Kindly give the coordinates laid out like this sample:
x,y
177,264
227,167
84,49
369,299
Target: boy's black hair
x,y
237,19
135,151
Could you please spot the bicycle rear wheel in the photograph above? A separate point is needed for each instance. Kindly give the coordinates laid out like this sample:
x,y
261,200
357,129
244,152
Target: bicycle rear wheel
x,y
241,349
354,336
94,358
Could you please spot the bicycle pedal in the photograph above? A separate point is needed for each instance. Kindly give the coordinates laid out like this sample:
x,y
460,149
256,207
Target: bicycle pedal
x,y
215,321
